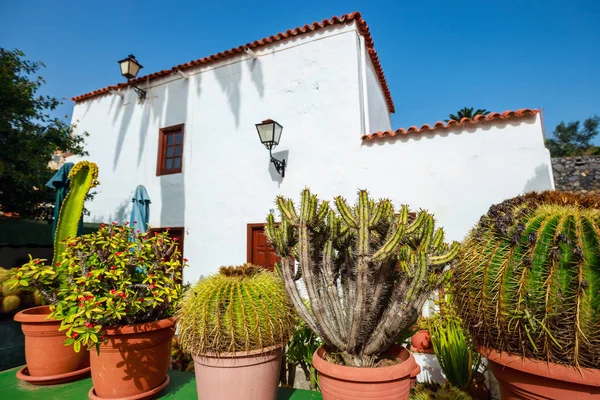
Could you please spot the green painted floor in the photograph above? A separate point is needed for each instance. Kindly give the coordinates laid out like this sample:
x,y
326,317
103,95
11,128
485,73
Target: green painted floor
x,y
182,386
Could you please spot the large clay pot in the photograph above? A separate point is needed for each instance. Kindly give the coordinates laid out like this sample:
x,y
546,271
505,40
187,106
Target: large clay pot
x,y
524,378
420,342
48,360
414,374
133,363
339,382
249,375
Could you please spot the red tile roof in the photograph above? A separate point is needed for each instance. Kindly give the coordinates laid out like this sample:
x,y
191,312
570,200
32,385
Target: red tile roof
x,y
361,24
478,119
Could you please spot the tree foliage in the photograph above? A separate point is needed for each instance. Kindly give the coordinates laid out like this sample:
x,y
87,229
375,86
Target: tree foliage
x,y
572,139
29,137
467,112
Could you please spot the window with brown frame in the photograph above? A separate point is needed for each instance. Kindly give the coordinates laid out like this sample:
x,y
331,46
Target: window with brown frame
x,y
170,150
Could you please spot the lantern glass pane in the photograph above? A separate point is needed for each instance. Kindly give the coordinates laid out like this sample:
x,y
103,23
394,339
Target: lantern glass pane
x,y
124,67
134,68
277,133
265,132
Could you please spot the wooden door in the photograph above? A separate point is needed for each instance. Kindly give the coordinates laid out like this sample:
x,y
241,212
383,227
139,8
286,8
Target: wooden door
x,y
259,251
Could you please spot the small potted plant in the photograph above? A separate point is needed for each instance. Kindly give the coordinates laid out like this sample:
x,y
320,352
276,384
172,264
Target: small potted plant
x,y
117,295
527,286
420,342
235,324
368,270
48,360
458,358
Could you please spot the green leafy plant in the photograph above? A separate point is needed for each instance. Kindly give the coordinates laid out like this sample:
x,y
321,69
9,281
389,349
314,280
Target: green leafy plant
x,y
108,278
434,391
180,360
299,352
527,281
367,269
238,309
452,346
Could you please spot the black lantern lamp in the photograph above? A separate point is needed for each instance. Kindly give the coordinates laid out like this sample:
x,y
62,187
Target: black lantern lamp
x,y
129,69
269,132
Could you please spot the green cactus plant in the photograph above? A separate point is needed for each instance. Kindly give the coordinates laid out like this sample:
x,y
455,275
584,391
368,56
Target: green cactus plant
x,y
367,270
239,309
527,280
83,176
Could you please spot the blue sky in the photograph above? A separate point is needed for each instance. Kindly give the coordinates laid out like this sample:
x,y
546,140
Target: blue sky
x,y
438,56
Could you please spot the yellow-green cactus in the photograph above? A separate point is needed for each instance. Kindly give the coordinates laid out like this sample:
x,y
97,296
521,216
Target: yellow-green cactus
x,y
10,303
239,309
84,176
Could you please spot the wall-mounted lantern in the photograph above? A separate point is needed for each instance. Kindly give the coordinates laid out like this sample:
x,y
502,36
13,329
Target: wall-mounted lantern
x,y
129,69
269,132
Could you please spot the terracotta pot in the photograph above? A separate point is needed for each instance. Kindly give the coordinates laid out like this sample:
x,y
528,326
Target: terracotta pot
x,y
134,362
249,375
420,342
526,378
413,375
45,353
479,391
339,382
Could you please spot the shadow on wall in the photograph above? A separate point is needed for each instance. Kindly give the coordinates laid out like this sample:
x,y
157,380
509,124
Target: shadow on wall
x,y
541,180
120,215
172,187
280,155
230,78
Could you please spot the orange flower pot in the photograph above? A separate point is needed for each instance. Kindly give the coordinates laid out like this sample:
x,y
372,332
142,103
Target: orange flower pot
x,y
525,378
48,360
134,362
420,342
339,382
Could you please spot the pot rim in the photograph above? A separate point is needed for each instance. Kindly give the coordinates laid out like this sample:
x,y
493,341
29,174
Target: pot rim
x,y
240,354
140,328
29,315
545,369
398,371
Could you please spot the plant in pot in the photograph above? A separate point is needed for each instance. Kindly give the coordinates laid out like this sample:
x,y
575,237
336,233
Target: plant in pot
x,y
420,342
299,352
235,324
527,286
367,271
117,295
48,360
458,358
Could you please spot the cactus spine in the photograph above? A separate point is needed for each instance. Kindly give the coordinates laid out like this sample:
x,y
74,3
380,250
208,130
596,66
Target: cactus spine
x,y
528,278
367,270
84,176
239,309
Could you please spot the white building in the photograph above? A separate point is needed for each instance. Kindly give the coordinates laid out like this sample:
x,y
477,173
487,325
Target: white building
x,y
323,83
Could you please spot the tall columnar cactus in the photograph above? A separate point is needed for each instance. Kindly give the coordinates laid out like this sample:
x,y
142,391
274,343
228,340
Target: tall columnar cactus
x,y
367,269
527,280
83,176
239,309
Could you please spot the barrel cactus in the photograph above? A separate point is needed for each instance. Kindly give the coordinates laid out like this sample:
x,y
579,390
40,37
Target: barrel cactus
x,y
239,309
527,280
367,269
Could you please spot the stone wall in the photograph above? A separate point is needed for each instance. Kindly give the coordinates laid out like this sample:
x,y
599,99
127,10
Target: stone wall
x,y
577,174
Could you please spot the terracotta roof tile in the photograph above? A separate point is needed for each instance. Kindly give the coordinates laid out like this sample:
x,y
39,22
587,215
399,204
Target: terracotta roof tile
x,y
478,119
361,24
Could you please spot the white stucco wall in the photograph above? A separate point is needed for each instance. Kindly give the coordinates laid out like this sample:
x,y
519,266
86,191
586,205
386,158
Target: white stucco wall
x,y
379,116
311,86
